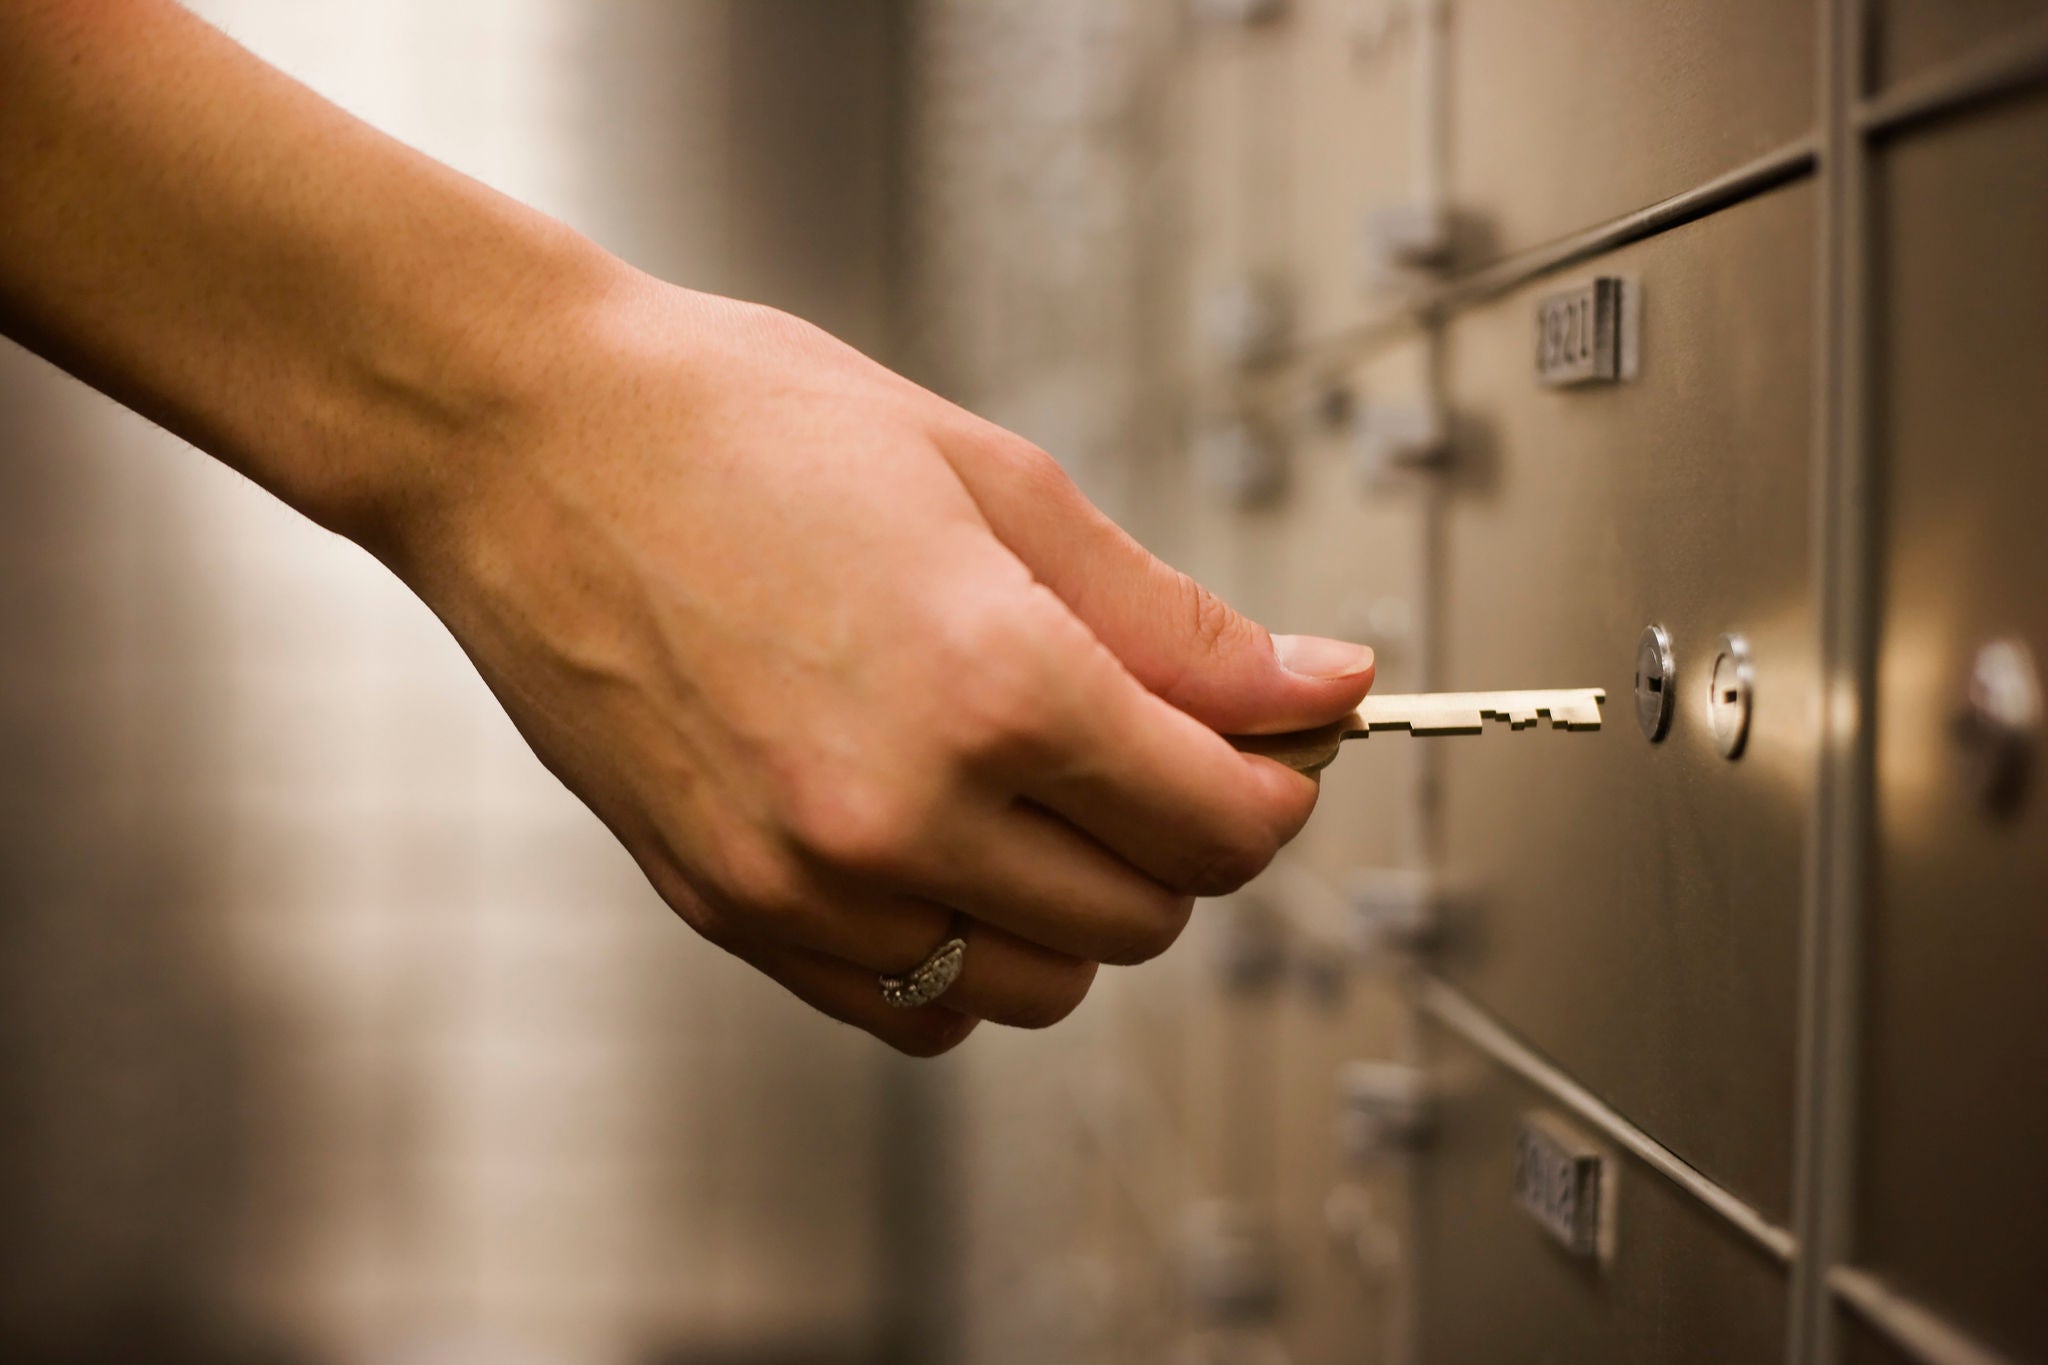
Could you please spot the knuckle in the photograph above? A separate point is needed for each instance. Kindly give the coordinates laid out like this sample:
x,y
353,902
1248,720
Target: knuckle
x,y
710,919
1224,867
1017,457
1295,809
1213,625
1152,935
1060,994
1007,715
711,923
1031,461
1001,721
927,1032
762,883
863,825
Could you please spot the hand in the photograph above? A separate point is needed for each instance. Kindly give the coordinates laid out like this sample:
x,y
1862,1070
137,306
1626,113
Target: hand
x,y
834,659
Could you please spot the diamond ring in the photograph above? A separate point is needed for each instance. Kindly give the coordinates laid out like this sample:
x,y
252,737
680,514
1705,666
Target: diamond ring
x,y
931,978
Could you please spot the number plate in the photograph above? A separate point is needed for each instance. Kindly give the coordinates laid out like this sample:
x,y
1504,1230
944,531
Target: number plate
x,y
1580,335
1561,1181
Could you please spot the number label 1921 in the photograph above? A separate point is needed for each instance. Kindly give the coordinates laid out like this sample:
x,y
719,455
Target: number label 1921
x,y
1580,334
1561,1181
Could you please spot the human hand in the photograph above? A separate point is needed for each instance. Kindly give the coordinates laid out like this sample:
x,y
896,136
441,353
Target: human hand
x,y
834,658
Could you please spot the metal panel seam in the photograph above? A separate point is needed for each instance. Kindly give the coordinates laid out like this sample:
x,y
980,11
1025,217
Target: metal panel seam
x,y
1451,1008
1791,162
2001,66
1910,1325
1824,1142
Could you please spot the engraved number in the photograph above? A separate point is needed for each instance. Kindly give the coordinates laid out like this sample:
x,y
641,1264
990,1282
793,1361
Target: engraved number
x,y
1566,335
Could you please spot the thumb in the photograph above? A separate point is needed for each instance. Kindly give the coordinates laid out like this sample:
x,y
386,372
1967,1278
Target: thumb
x,y
1177,638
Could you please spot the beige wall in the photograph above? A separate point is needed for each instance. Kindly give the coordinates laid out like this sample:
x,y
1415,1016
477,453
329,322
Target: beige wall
x,y
333,1019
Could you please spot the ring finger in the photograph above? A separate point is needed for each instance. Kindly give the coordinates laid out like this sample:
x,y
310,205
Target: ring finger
x,y
1003,978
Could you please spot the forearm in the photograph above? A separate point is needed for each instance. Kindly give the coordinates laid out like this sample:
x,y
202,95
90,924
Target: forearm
x,y
338,317
844,667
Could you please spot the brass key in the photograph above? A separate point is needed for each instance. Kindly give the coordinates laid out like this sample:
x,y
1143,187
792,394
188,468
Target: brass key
x,y
1429,713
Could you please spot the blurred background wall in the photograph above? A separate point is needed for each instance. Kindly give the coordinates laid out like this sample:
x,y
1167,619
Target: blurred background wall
x,y
334,1029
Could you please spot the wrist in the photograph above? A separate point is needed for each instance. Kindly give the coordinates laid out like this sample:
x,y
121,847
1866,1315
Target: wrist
x,y
442,391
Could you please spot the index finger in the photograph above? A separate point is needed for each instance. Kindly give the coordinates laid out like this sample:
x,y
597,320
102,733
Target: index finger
x,y
1161,789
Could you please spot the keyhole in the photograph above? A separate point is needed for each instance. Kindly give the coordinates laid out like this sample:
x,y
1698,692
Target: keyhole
x,y
1654,682
1730,699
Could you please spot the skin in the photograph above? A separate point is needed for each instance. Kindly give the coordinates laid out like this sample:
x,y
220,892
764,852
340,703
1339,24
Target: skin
x,y
839,663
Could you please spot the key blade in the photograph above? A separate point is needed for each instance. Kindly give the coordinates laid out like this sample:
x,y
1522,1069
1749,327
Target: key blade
x,y
1466,713
1427,714
1424,713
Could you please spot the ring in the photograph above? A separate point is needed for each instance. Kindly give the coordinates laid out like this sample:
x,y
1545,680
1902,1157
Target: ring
x,y
931,978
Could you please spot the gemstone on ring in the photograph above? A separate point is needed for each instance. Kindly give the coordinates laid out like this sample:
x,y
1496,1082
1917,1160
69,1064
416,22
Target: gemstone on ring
x,y
929,979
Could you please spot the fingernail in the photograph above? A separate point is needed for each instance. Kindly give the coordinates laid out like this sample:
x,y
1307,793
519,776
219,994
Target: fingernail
x,y
1314,657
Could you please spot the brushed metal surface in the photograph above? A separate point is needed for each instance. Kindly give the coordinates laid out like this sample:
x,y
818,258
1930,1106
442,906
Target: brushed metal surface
x,y
1953,1207
1568,112
1682,1285
1351,152
1910,37
1632,909
1862,1344
1322,557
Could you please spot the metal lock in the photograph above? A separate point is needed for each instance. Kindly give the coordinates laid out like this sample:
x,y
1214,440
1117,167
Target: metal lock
x,y
1247,322
1390,438
1405,237
1230,1263
1358,1228
1387,1107
1728,701
1250,944
1656,676
1999,724
1394,910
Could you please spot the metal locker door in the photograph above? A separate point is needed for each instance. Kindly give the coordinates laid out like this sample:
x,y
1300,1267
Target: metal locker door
x,y
1567,113
1678,1285
1912,37
1632,908
1953,1204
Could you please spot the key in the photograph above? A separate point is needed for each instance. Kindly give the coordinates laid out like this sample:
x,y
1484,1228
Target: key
x,y
1429,713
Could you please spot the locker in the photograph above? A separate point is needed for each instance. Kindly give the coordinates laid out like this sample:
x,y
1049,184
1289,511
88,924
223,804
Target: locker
x,y
1338,1223
1911,37
1321,554
1953,1207
1563,115
1235,105
1864,1345
1632,907
1631,910
1302,130
1680,1286
1351,159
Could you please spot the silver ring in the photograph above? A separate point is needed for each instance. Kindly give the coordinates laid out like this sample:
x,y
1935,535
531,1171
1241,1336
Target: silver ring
x,y
931,978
